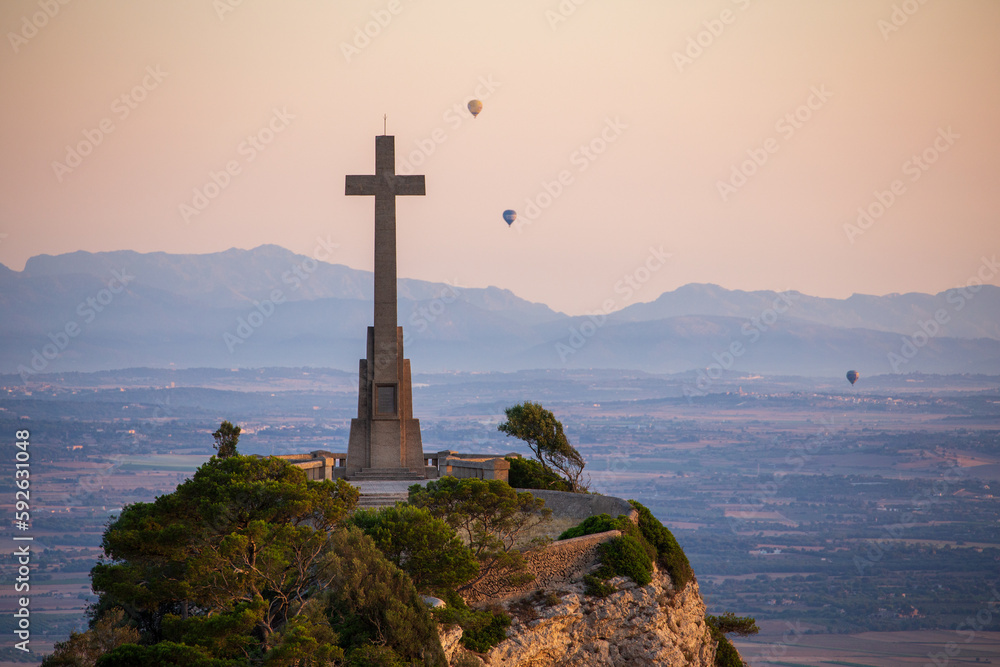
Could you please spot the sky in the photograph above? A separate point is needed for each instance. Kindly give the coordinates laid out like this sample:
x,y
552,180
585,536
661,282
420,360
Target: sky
x,y
831,147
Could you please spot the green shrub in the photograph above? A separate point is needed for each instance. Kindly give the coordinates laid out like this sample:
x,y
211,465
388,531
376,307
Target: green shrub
x,y
726,654
490,516
375,656
627,557
669,556
489,629
165,654
529,474
481,630
466,660
650,537
597,587
599,523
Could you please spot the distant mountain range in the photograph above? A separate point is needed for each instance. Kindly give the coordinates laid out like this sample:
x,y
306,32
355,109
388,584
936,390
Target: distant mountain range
x,y
271,307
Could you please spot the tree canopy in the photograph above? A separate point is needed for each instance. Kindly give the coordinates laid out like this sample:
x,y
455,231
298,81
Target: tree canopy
x,y
490,516
249,562
422,545
226,437
726,654
544,436
731,624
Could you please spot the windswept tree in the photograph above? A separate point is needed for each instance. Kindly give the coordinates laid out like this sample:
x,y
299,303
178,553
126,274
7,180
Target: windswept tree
x,y
729,623
226,438
544,435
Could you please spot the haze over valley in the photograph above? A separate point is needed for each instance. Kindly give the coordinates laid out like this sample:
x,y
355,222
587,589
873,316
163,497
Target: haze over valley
x,y
271,307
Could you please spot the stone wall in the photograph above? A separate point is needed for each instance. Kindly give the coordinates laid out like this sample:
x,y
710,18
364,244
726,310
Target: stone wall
x,y
319,464
556,563
565,560
322,464
461,467
579,506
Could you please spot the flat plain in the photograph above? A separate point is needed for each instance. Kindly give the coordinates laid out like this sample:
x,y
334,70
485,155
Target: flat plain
x,y
857,524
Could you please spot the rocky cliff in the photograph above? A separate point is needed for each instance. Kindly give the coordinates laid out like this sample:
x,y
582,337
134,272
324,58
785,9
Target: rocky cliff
x,y
636,626
555,623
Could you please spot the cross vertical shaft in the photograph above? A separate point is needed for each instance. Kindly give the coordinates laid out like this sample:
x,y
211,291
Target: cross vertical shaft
x,y
389,437
385,185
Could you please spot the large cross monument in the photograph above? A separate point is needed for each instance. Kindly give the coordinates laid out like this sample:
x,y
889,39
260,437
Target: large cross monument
x,y
385,438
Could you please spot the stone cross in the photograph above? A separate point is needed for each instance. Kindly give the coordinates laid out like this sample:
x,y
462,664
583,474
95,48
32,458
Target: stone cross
x,y
385,439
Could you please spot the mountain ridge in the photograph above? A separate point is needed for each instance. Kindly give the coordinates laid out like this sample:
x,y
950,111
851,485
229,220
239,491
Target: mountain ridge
x,y
269,306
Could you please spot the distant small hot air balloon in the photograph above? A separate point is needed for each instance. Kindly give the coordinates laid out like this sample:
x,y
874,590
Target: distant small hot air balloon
x,y
475,106
510,215
852,376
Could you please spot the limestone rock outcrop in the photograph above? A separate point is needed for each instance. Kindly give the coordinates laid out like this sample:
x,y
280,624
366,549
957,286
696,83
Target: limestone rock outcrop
x,y
637,626
449,640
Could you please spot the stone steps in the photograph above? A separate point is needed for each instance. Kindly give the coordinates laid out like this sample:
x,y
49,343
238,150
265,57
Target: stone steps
x,y
381,499
386,474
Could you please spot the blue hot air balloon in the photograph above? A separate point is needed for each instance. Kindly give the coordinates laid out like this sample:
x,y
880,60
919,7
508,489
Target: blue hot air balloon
x,y
510,215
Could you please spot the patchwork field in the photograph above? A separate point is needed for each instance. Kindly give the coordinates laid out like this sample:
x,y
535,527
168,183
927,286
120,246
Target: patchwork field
x,y
865,526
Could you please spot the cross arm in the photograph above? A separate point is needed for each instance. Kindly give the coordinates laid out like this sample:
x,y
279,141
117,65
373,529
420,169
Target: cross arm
x,y
408,185
360,185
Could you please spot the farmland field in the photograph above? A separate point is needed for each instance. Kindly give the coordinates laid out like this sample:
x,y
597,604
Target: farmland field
x,y
861,523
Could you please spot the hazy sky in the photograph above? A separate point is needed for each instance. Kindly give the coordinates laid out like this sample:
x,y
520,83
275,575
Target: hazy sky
x,y
739,137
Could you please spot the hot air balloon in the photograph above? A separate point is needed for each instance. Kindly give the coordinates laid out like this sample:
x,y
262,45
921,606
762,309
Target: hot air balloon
x,y
852,376
475,106
510,215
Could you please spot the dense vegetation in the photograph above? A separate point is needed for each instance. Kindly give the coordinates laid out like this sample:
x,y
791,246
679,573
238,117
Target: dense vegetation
x,y
490,516
633,553
481,629
248,562
598,523
529,474
422,545
669,554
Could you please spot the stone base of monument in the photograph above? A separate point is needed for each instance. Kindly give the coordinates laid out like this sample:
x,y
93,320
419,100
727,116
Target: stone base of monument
x,y
385,438
321,464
